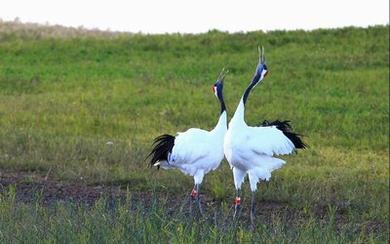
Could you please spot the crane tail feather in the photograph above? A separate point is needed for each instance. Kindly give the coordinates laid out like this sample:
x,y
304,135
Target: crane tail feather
x,y
162,147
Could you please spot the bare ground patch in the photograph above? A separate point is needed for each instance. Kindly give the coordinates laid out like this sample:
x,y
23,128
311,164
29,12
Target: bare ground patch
x,y
29,185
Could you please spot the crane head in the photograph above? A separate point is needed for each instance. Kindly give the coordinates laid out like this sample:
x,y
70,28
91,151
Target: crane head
x,y
218,86
261,69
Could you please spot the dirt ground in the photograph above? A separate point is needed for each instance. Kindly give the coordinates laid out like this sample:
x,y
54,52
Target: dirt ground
x,y
28,185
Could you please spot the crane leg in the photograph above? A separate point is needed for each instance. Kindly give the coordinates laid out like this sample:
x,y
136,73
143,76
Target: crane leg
x,y
237,204
192,199
198,200
253,209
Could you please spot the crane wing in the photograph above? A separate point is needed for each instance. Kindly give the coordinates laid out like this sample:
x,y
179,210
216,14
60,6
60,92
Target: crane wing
x,y
269,140
190,146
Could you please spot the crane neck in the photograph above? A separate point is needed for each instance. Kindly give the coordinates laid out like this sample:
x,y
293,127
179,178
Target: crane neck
x,y
253,83
221,101
239,115
221,126
223,107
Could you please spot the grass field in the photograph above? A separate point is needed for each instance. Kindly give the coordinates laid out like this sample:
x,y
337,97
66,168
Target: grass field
x,y
65,93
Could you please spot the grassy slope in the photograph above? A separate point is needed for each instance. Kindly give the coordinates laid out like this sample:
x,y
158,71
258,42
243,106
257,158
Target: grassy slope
x,y
62,99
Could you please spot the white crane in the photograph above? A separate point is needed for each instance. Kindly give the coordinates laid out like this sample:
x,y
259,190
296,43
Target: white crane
x,y
195,152
251,150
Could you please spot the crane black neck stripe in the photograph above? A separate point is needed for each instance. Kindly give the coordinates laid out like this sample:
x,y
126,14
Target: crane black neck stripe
x,y
255,80
223,107
220,98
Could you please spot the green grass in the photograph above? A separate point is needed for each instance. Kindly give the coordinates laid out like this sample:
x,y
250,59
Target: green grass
x,y
62,98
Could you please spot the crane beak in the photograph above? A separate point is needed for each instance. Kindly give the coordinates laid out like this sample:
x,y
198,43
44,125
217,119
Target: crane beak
x,y
222,75
261,54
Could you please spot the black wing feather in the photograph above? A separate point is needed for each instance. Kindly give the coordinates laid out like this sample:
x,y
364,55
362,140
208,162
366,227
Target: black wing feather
x,y
162,146
286,128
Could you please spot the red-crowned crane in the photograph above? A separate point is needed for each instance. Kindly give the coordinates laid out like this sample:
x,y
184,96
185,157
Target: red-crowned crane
x,y
251,150
195,152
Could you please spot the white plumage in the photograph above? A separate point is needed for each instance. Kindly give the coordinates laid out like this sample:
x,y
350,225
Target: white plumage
x,y
251,150
194,152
